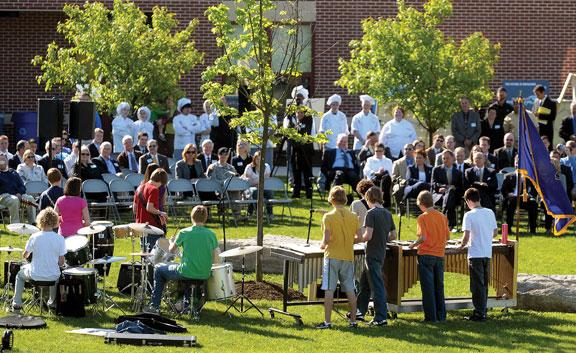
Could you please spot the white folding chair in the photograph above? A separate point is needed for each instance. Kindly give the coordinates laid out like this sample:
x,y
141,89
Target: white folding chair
x,y
97,186
108,177
176,197
35,188
122,193
135,179
278,188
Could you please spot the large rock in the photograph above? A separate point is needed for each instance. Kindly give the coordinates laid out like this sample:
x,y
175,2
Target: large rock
x,y
270,264
547,292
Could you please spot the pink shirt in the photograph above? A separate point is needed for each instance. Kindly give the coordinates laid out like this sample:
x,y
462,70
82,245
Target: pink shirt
x,y
70,210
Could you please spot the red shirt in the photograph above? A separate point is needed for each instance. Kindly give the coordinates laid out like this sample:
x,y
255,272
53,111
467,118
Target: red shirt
x,y
150,193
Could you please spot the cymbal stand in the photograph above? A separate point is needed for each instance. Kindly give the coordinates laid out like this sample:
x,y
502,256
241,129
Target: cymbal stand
x,y
6,298
140,295
243,297
104,299
132,284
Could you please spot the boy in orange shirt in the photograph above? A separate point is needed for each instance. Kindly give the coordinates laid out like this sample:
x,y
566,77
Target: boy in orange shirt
x,y
433,232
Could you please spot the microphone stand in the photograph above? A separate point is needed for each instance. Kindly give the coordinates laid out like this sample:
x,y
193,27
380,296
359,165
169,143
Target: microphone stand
x,y
310,216
400,217
221,207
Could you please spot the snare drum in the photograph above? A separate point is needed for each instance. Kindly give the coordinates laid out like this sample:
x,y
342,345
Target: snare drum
x,y
160,252
221,283
88,278
78,250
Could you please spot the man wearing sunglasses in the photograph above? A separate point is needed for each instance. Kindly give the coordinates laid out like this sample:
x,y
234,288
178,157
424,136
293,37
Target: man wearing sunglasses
x,y
153,157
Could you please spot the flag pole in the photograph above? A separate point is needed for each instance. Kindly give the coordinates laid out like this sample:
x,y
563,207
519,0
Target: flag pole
x,y
517,215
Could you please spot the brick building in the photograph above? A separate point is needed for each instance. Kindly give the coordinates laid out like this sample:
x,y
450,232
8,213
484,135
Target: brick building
x,y
536,36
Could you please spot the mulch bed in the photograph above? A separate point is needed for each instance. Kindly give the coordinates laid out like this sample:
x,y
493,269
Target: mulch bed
x,y
266,290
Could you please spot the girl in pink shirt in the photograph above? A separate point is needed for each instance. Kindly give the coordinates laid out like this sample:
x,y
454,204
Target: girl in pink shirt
x,y
72,209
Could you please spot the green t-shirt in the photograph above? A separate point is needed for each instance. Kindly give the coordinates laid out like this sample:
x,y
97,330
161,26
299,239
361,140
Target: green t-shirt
x,y
198,244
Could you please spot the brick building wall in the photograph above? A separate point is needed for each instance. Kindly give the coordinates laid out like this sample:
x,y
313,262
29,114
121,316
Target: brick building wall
x,y
536,37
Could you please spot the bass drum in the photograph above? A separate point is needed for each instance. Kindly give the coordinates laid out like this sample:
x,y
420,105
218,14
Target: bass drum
x,y
221,284
78,251
88,278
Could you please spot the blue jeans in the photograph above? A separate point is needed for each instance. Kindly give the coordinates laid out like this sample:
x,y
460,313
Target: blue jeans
x,y
371,282
431,271
161,275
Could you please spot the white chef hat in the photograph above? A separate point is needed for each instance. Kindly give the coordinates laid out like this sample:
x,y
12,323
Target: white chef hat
x,y
366,98
334,99
121,106
300,90
182,102
146,110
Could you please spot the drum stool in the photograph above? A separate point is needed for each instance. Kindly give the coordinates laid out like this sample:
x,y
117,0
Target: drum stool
x,y
194,286
38,294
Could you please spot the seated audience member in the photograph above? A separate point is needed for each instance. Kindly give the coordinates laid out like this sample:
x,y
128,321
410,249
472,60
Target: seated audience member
x,y
59,152
419,144
493,128
94,147
199,251
449,144
483,179
400,172
189,167
142,143
242,157
360,207
511,191
4,143
72,158
379,169
447,186
436,149
489,158
72,208
29,170
419,175
48,161
11,189
18,157
505,155
207,157
49,197
570,162
105,162
49,250
84,168
147,206
567,130
460,163
221,170
153,157
252,175
368,148
33,146
128,158
340,165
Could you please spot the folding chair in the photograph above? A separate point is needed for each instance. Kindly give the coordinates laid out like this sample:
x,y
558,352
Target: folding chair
x,y
177,200
277,187
206,185
122,194
507,170
35,188
99,186
108,177
135,179
238,185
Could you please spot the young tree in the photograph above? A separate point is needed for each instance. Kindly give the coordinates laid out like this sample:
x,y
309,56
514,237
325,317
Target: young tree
x,y
245,67
119,54
408,60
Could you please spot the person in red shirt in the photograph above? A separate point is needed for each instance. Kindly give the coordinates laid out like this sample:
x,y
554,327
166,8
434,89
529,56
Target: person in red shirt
x,y
432,230
147,206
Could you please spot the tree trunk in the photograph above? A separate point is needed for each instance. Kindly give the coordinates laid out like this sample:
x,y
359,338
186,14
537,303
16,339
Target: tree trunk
x,y
260,204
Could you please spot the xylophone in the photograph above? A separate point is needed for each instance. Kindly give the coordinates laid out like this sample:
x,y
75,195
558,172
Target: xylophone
x,y
303,266
401,274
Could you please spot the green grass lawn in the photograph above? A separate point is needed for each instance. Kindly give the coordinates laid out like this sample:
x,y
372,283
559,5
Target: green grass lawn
x,y
521,331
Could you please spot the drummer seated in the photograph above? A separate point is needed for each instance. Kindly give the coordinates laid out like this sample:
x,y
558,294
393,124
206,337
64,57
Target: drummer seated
x,y
49,249
199,251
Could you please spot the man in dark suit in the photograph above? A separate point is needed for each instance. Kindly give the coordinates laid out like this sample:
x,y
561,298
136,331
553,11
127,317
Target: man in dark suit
x,y
207,157
48,162
94,147
18,157
447,186
545,110
105,162
465,125
128,158
568,127
142,143
460,163
153,157
490,159
483,179
340,165
505,155
435,149
502,108
510,191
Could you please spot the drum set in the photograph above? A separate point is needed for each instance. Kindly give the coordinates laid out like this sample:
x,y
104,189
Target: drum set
x,y
89,257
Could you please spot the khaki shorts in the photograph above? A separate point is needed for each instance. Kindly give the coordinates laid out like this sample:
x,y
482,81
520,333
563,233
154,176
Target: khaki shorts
x,y
338,270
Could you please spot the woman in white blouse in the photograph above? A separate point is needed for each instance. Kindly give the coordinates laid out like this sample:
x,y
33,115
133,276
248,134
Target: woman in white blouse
x,y
251,174
122,125
29,170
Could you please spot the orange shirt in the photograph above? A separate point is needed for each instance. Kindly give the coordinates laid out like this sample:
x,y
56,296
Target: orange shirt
x,y
433,225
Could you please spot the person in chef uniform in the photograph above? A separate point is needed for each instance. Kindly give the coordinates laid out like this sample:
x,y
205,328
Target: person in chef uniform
x,y
334,120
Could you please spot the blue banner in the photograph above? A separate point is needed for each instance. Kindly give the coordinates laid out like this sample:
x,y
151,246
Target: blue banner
x,y
534,163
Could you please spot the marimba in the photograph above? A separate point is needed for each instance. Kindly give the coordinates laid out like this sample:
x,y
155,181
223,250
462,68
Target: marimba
x,y
401,273
303,267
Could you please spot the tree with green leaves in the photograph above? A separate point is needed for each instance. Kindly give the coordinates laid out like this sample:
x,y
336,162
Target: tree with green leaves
x,y
408,60
119,54
246,67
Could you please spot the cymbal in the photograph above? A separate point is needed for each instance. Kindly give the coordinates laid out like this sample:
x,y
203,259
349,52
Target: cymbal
x,y
107,260
241,251
144,254
146,228
91,229
10,249
22,228
102,223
